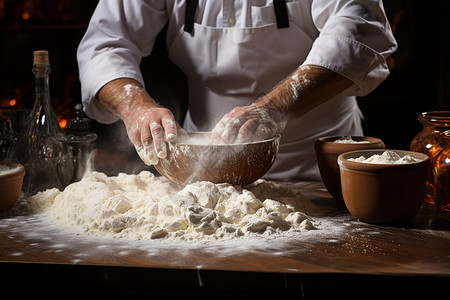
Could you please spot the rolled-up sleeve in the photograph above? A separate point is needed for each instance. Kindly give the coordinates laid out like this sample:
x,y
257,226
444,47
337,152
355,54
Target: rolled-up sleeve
x,y
355,40
120,33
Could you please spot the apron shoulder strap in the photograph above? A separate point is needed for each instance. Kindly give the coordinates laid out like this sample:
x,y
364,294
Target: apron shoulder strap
x,y
191,7
281,13
279,7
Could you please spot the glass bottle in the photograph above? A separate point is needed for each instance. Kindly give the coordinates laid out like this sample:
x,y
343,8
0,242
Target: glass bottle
x,y
442,174
429,141
38,148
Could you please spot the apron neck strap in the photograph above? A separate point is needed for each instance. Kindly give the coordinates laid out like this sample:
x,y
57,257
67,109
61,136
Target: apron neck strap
x,y
279,7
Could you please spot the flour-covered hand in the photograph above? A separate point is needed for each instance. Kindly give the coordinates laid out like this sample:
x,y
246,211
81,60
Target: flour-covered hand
x,y
149,129
248,123
149,125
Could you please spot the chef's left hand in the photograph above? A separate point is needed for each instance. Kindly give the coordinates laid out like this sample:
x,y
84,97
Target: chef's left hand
x,y
249,123
308,87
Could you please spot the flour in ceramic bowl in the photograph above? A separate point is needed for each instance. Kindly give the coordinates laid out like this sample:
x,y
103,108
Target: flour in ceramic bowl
x,y
145,206
6,170
349,140
387,157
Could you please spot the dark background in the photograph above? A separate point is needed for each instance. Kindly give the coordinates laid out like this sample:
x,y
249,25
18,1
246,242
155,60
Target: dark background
x,y
419,79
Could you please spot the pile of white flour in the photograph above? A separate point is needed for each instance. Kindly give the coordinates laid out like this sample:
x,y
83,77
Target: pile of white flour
x,y
145,207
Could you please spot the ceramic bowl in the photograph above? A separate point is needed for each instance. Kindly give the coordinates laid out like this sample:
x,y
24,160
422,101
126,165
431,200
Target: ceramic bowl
x,y
327,152
383,193
11,179
198,160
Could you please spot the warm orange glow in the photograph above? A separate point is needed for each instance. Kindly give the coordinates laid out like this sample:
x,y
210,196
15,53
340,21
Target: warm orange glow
x,y
63,123
26,15
2,9
12,102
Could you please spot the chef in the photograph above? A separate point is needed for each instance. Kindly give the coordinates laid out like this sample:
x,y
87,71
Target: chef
x,y
255,68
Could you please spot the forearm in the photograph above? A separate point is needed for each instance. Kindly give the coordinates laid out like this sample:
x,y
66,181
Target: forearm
x,y
124,95
308,87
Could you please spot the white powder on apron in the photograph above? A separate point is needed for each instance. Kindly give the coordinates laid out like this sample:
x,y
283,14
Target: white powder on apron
x,y
388,157
144,206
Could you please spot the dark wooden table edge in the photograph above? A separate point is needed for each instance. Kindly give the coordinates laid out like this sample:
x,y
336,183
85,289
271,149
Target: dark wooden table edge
x,y
53,279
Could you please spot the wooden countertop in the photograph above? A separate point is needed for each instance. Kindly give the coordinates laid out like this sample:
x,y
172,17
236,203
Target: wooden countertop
x,y
348,257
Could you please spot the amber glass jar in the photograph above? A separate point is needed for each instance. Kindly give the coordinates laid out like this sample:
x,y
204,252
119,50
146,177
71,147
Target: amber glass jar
x,y
442,173
430,141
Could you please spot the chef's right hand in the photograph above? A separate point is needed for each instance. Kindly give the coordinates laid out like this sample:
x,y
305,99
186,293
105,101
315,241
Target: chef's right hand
x,y
149,126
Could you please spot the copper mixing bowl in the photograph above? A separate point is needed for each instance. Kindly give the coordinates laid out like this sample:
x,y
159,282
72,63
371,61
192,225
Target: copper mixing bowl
x,y
198,160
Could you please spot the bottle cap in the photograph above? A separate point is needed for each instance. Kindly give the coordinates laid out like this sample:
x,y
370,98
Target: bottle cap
x,y
40,57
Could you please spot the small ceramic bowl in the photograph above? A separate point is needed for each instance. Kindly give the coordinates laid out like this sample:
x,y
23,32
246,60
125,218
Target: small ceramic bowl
x,y
198,160
11,179
383,193
327,152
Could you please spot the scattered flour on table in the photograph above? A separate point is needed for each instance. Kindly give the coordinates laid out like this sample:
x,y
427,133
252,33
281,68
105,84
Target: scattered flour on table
x,y
388,157
145,206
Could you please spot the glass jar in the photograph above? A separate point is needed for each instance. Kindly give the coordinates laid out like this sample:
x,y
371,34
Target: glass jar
x,y
430,141
80,143
11,123
442,174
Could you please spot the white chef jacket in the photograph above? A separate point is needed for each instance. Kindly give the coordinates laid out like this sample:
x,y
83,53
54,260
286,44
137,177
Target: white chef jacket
x,y
352,38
